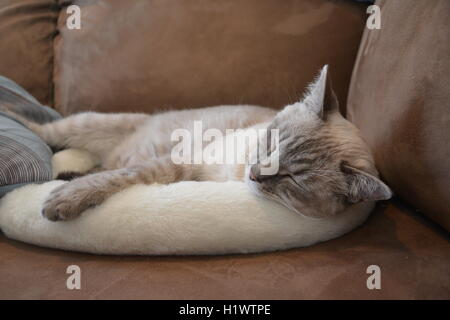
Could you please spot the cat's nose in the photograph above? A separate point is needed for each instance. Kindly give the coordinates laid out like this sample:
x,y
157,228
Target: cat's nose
x,y
252,175
255,174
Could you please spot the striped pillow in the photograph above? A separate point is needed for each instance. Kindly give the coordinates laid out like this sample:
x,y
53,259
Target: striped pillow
x,y
24,157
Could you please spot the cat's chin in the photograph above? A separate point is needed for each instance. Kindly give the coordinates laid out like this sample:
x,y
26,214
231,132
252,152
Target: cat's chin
x,y
253,186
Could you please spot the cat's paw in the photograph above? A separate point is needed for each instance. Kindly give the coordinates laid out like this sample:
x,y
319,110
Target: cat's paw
x,y
66,202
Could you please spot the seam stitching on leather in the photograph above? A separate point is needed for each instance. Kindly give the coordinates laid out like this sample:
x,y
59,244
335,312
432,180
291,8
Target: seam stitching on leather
x,y
57,5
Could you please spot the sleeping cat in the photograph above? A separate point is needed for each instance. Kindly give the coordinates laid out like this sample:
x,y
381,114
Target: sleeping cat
x,y
324,165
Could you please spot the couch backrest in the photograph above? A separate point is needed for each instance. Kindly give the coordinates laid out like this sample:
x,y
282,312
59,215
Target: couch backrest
x,y
145,55
27,28
400,99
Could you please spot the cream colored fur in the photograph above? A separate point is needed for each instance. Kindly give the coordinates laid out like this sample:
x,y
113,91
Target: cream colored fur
x,y
180,218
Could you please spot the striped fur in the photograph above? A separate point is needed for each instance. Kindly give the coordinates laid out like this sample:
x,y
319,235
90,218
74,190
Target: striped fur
x,y
325,165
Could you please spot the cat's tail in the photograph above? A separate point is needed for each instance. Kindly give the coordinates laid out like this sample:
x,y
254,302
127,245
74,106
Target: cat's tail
x,y
33,126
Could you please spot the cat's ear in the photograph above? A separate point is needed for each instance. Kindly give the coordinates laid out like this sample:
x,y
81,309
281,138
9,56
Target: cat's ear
x,y
363,186
320,97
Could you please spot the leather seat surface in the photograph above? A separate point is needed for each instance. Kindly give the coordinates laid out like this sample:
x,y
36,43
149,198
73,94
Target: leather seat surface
x,y
412,253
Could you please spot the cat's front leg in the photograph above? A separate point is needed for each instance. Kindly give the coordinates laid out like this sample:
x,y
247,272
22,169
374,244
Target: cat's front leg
x,y
69,200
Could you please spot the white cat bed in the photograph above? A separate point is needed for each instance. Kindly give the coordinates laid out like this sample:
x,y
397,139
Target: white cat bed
x,y
181,218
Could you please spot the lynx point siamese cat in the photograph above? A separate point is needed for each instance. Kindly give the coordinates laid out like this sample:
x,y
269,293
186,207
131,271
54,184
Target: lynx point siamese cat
x,y
324,165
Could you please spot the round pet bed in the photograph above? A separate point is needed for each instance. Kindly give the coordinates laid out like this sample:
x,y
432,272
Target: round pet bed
x,y
181,218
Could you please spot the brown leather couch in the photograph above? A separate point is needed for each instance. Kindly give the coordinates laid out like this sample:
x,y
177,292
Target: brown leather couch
x,y
153,55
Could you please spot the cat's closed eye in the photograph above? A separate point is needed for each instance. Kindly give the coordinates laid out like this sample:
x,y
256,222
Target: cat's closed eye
x,y
300,172
286,176
293,179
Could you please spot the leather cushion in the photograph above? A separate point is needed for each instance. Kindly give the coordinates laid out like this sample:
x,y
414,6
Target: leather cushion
x,y
27,28
399,98
151,55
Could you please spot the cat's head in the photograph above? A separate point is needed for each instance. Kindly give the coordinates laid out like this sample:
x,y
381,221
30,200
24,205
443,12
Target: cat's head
x,y
324,165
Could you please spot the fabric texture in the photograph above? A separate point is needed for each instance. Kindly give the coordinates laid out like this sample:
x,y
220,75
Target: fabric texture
x,y
17,99
177,219
24,157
